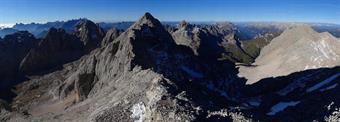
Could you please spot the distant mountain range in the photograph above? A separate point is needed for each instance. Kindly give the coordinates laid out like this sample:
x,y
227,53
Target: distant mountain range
x,y
248,30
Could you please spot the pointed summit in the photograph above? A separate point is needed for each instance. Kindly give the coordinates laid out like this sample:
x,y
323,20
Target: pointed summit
x,y
90,34
148,15
183,24
147,20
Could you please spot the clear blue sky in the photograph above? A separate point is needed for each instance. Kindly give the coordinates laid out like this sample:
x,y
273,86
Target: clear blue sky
x,y
15,11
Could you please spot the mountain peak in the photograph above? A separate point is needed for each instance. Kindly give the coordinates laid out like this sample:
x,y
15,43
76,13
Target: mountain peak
x,y
89,33
183,23
148,15
53,30
84,23
149,20
302,29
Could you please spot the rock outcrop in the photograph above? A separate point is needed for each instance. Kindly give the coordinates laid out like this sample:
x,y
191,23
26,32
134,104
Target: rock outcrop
x,y
187,35
90,34
111,35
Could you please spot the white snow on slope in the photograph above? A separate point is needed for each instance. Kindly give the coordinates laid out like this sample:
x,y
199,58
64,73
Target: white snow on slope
x,y
212,87
138,112
325,49
329,87
297,83
191,72
322,83
281,106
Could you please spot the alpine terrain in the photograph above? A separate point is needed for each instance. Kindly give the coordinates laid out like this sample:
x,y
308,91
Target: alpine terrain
x,y
149,70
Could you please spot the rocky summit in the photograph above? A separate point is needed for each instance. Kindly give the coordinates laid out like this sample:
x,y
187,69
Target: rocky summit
x,y
296,49
157,72
89,33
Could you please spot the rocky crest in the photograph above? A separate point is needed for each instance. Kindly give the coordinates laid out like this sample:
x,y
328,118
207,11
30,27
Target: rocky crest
x,y
111,35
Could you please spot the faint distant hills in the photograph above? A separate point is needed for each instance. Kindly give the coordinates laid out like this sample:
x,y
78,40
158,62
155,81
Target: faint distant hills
x,y
7,31
251,29
40,29
248,30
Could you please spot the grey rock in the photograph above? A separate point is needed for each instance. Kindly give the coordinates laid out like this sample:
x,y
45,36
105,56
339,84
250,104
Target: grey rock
x,y
111,35
90,34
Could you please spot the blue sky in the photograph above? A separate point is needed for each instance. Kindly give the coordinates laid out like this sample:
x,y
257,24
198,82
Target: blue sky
x,y
26,11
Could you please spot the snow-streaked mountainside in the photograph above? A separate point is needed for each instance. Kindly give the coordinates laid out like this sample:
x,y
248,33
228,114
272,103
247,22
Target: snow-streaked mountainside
x,y
296,49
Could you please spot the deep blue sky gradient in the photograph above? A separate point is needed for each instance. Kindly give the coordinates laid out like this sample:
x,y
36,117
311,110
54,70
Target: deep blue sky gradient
x,y
26,11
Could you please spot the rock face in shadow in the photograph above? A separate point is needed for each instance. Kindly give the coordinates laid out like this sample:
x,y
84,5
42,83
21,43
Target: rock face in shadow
x,y
13,48
58,47
55,49
295,97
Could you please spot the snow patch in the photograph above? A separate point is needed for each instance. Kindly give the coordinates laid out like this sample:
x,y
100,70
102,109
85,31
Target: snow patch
x,y
330,106
322,83
138,112
329,87
297,83
212,87
325,49
254,102
281,106
191,72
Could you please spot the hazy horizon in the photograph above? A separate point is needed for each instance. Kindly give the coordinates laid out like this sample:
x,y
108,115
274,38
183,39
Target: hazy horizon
x,y
42,11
